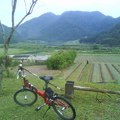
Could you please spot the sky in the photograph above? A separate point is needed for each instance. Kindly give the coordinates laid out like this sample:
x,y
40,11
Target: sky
x,y
107,7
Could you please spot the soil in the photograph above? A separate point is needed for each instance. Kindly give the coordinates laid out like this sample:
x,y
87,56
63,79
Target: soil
x,y
42,70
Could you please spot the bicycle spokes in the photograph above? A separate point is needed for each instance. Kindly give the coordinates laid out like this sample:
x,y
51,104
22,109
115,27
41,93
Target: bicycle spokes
x,y
25,97
64,108
61,103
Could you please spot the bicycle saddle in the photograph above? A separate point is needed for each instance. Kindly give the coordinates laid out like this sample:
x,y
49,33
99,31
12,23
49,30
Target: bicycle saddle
x,y
46,78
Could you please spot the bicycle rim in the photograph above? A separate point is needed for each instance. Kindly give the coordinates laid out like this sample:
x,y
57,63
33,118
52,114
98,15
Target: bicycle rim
x,y
25,97
64,108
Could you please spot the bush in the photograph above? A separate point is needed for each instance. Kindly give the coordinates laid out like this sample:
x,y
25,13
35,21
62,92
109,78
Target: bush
x,y
8,59
14,63
61,59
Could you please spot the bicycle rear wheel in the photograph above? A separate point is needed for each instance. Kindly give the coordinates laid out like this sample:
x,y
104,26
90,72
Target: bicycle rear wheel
x,y
25,97
64,108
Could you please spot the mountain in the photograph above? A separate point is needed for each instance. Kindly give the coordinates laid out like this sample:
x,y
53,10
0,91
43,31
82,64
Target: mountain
x,y
32,29
16,37
6,30
71,25
110,37
88,27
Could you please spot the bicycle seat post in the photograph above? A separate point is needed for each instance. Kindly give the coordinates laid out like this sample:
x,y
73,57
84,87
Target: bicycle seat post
x,y
46,85
46,79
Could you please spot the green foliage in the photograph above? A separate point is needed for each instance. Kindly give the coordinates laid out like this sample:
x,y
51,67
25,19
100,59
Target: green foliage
x,y
86,105
14,63
95,47
9,60
1,60
110,38
61,59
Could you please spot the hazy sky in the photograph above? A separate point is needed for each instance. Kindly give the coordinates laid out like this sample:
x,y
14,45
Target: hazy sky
x,y
107,7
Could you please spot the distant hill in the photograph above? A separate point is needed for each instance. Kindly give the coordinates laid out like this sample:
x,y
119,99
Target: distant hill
x,y
71,25
33,29
88,27
16,37
111,37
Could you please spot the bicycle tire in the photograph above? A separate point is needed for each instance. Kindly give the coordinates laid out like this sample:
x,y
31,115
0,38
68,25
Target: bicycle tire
x,y
63,108
25,97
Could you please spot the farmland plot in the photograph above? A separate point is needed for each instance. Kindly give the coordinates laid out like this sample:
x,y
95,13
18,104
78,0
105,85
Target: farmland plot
x,y
76,73
115,73
95,76
99,58
86,73
102,73
99,69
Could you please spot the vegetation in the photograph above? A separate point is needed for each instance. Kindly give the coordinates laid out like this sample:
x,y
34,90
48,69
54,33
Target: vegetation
x,y
90,106
85,103
96,66
88,27
111,37
61,59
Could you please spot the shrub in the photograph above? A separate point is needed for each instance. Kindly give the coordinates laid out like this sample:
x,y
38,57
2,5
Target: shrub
x,y
61,59
8,59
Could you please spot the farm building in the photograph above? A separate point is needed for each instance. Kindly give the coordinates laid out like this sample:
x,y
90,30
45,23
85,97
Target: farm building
x,y
30,57
20,57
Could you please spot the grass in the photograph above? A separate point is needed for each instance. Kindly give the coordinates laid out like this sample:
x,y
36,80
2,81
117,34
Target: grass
x,y
85,103
15,51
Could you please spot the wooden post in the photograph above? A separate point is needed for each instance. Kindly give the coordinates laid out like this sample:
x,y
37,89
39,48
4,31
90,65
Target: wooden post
x,y
69,89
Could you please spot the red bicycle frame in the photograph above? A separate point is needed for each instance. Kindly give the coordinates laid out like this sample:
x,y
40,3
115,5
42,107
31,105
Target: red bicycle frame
x,y
38,92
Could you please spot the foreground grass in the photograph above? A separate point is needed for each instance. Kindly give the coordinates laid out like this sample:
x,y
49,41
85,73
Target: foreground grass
x,y
86,104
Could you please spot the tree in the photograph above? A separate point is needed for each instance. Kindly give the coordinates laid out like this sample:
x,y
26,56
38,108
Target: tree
x,y
61,59
13,28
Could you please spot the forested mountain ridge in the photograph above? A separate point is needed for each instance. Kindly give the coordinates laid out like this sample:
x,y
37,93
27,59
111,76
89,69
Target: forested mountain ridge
x,y
110,37
68,26
88,27
16,37
33,28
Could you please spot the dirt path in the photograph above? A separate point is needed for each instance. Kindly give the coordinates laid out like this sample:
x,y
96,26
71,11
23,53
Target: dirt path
x,y
42,70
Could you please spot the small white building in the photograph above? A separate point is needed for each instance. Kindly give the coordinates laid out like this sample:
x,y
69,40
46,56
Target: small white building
x,y
30,57
38,58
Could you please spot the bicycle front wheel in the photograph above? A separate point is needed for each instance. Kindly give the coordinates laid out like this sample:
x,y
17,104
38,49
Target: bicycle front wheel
x,y
64,108
25,97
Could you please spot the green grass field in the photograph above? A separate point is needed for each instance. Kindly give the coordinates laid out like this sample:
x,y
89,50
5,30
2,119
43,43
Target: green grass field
x,y
88,105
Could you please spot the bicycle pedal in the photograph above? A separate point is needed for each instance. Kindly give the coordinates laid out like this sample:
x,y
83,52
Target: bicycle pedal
x,y
39,107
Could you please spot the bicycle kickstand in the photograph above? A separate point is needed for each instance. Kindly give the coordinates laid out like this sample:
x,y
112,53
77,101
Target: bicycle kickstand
x,y
46,111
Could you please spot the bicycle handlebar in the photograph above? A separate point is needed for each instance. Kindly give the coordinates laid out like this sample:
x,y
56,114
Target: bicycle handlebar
x,y
21,70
